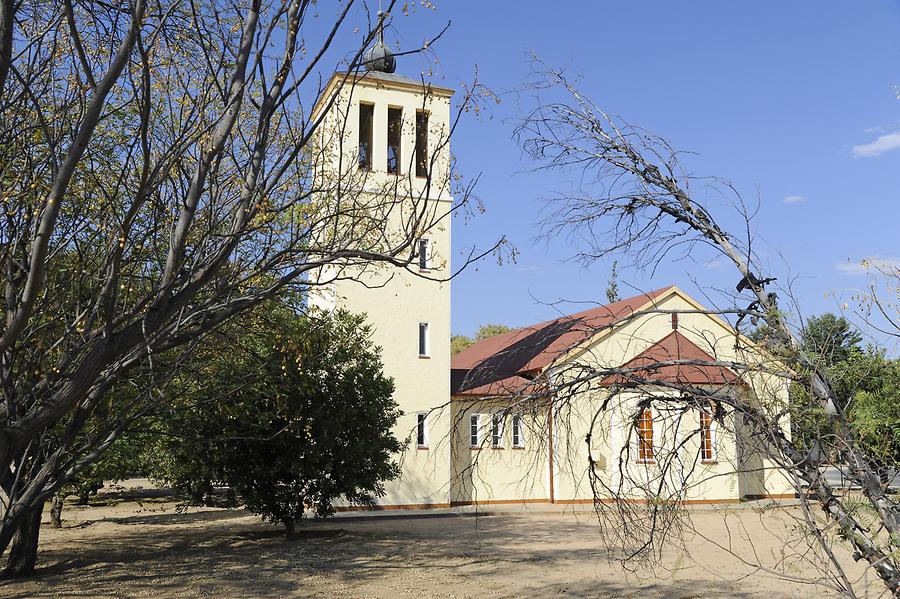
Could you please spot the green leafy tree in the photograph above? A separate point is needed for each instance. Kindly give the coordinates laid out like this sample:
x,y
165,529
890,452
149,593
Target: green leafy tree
x,y
612,287
491,330
875,414
151,195
124,458
871,383
865,383
829,338
459,343
293,417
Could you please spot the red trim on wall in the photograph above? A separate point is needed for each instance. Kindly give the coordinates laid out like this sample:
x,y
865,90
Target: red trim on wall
x,y
401,506
605,500
550,446
498,502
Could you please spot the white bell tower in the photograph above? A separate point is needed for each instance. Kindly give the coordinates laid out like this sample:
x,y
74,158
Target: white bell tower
x,y
383,144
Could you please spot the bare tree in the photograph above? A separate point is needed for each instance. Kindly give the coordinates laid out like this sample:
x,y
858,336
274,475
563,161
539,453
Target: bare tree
x,y
638,201
878,305
161,171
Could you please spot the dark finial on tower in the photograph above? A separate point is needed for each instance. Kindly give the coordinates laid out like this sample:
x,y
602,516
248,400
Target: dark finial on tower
x,y
378,57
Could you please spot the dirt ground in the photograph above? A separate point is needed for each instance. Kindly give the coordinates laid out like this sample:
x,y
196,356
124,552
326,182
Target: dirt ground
x,y
149,548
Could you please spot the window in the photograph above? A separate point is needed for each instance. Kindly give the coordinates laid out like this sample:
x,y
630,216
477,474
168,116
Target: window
x,y
421,143
424,253
645,436
423,339
518,436
421,430
497,431
475,430
707,440
395,126
366,118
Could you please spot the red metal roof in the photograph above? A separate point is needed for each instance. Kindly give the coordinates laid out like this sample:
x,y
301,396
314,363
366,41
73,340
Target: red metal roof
x,y
499,364
674,347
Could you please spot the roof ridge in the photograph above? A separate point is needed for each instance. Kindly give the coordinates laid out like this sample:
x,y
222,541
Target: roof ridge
x,y
647,354
547,336
651,295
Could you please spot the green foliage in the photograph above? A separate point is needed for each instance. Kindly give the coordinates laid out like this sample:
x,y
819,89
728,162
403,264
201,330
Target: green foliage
x,y
293,414
491,330
875,407
760,333
460,342
612,287
866,383
829,339
809,420
123,459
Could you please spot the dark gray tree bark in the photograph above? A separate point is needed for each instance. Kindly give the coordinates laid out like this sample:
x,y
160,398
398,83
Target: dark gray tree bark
x,y
23,552
56,509
153,190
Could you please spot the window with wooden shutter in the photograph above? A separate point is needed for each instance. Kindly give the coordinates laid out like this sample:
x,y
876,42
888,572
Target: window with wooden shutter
x,y
645,436
707,440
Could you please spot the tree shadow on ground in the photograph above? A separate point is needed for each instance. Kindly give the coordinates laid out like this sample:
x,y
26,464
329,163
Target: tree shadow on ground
x,y
232,554
176,517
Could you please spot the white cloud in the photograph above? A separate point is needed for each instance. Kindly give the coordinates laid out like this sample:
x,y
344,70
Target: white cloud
x,y
884,143
867,265
795,199
529,268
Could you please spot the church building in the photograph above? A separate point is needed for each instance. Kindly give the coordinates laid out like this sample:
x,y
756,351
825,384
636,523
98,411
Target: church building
x,y
472,436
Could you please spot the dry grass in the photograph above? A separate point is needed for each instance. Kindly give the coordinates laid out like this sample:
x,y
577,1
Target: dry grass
x,y
150,549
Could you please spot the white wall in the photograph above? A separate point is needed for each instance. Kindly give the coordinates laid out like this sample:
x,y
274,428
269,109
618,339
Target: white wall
x,y
396,300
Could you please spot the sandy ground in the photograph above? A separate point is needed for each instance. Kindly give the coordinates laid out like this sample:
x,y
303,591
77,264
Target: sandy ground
x,y
149,548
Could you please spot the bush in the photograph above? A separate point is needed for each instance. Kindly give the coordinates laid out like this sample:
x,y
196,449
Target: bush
x,y
293,414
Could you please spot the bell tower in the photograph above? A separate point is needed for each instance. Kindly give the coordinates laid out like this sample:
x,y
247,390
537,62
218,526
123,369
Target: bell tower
x,y
383,153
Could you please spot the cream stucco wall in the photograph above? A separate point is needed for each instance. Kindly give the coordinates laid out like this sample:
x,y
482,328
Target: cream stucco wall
x,y
396,299
738,470
484,473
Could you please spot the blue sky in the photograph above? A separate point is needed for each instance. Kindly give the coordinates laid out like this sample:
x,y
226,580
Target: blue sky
x,y
795,103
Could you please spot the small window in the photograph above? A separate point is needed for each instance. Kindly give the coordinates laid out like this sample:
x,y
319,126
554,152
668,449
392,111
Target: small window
x,y
395,127
645,436
497,431
707,439
424,253
475,430
518,435
421,430
423,340
421,143
366,119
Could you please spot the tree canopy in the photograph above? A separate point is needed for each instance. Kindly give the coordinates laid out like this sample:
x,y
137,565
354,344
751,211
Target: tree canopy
x,y
830,338
162,172
460,342
296,415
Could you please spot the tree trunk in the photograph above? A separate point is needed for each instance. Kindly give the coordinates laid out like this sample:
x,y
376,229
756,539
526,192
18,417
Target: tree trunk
x,y
56,508
23,553
290,528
